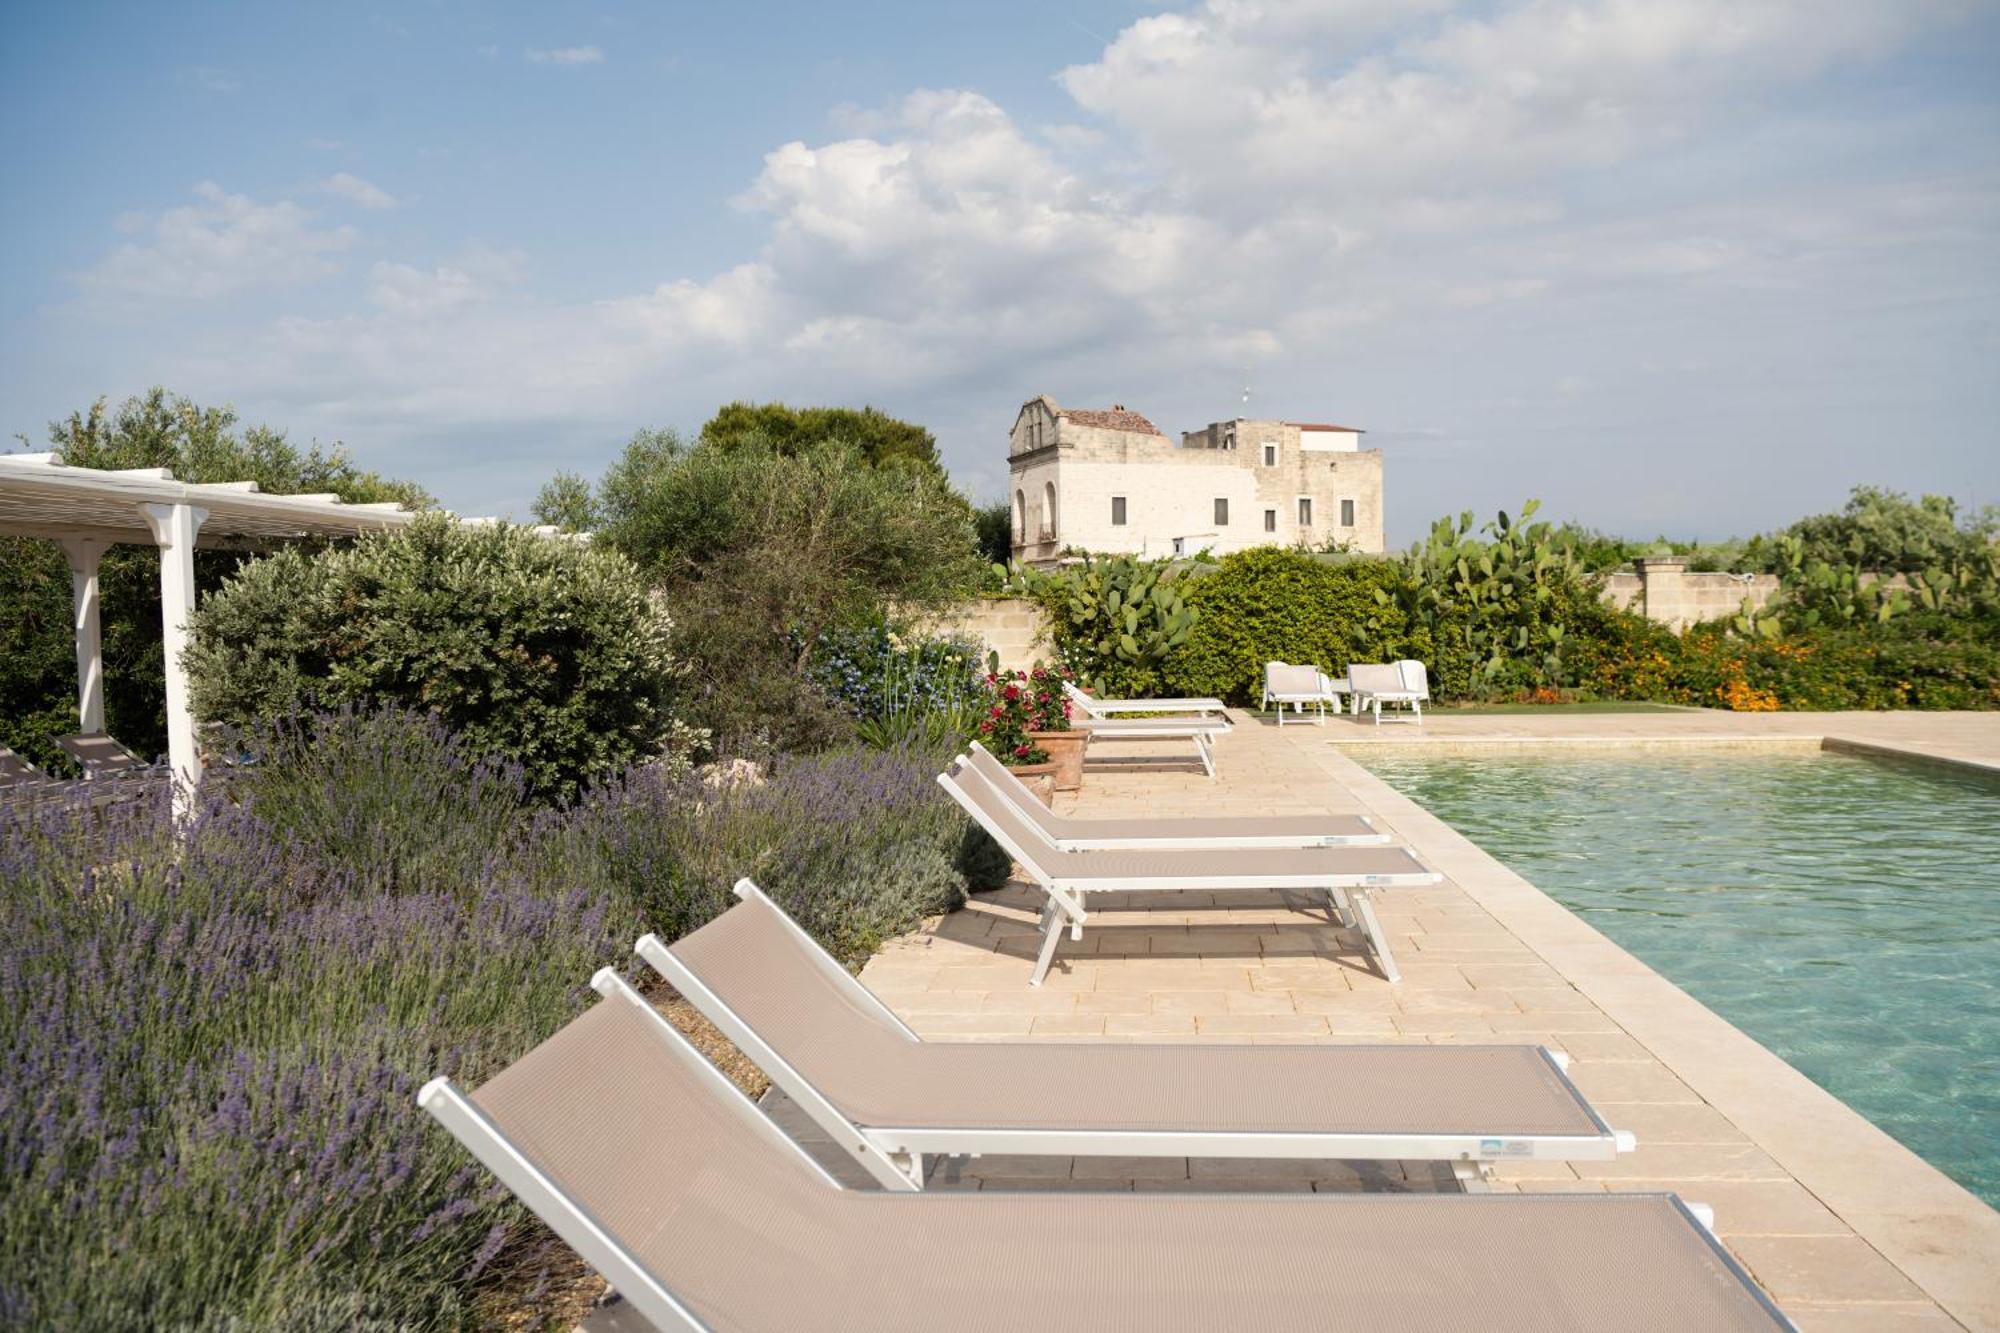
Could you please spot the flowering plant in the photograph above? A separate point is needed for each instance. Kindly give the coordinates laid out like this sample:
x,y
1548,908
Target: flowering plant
x,y
1020,702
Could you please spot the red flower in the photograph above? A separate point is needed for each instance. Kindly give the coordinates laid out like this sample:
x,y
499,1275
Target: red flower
x,y
1020,751
998,710
987,725
1011,692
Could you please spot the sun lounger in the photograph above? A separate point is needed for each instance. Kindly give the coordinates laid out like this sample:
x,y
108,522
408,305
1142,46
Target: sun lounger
x,y
871,1083
1346,875
1379,683
101,756
1200,720
1083,835
703,1215
1096,707
1291,688
17,773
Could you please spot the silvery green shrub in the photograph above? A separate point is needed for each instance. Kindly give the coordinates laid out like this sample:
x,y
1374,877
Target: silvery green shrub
x,y
545,652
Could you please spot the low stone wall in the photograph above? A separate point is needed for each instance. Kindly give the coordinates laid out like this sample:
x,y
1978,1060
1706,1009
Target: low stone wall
x,y
1662,590
1014,627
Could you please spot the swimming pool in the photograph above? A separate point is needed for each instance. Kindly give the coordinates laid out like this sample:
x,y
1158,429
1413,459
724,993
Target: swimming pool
x,y
1843,911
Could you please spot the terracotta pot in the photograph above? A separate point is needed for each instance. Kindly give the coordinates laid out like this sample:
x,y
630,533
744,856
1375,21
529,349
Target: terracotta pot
x,y
1038,778
1065,752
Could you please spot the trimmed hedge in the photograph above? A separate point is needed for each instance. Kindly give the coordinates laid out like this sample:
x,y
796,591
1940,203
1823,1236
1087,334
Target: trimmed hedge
x,y
547,653
1273,602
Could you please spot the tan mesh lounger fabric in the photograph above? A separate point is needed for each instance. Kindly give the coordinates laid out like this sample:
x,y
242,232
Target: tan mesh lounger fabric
x,y
750,1238
760,968
100,755
1305,829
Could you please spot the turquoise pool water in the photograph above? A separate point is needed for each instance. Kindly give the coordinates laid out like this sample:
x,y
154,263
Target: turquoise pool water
x,y
1845,912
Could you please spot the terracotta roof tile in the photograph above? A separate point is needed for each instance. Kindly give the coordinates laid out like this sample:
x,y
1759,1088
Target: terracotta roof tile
x,y
1116,418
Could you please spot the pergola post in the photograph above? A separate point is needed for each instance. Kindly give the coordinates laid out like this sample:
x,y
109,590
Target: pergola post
x,y
174,529
84,555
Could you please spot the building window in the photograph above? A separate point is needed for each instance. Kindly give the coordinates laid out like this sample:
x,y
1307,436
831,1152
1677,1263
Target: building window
x,y
1305,511
1270,455
1347,513
1221,512
1270,520
1180,546
1048,511
1020,519
1117,511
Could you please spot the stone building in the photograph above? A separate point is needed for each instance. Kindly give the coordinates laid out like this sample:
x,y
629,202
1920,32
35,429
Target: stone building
x,y
1111,482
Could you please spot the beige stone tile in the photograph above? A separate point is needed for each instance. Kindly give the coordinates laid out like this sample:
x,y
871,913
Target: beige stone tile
x,y
1258,1002
1826,1268
1628,1081
1113,1002
1029,1000
1018,1166
1686,1163
1591,1021
1017,1024
1070,1025
1260,1024
1417,1025
1752,1207
1604,1046
1672,1122
1822,1317
1189,1001
1149,1025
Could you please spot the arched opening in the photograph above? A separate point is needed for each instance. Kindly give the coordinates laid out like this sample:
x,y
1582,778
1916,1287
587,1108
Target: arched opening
x,y
1020,519
1048,511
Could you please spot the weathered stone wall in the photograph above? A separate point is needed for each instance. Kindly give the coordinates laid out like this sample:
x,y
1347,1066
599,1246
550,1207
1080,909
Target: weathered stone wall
x,y
1662,590
1011,626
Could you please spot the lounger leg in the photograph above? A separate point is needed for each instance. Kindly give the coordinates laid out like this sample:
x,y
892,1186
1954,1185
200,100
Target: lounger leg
x,y
1473,1177
1049,938
1340,906
1201,745
1377,940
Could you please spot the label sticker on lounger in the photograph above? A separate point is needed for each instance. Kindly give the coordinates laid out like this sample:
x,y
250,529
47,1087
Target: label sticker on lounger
x,y
1505,1148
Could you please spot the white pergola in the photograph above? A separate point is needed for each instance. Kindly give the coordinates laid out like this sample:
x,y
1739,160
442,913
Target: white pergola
x,y
86,510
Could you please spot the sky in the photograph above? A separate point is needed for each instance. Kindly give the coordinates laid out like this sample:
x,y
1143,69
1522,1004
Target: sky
x,y
1692,267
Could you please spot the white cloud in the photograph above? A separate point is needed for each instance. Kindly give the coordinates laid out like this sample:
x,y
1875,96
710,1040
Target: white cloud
x,y
221,243
356,190
566,55
1484,218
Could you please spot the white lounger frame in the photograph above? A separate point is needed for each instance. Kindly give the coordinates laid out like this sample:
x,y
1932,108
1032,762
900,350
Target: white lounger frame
x,y
1348,896
1210,719
903,1148
628,1276
1018,796
1107,708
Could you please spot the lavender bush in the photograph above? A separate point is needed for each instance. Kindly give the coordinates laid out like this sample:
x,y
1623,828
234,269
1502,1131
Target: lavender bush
x,y
857,845
209,1051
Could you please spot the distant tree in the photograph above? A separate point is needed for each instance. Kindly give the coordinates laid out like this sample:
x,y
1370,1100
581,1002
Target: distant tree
x,y
196,444
566,501
759,552
995,523
877,436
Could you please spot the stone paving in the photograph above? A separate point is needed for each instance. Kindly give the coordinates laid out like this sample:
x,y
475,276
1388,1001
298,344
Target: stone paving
x,y
1843,1226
